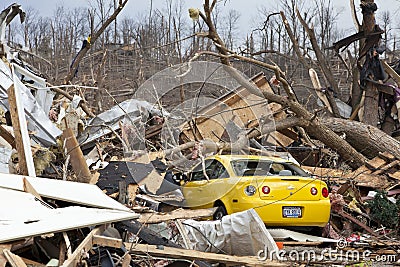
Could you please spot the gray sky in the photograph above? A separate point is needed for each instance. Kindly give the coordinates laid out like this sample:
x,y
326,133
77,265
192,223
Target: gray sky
x,y
247,8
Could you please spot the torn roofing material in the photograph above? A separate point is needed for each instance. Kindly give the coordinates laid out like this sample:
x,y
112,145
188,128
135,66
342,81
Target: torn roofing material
x,y
45,132
7,15
130,110
24,216
73,192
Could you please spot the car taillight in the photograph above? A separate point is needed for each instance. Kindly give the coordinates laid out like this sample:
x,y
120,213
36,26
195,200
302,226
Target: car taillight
x,y
313,191
325,192
266,190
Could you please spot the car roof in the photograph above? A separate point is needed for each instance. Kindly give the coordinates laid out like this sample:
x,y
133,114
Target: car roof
x,y
248,157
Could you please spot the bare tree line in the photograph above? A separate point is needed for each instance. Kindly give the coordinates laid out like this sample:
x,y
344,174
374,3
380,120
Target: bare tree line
x,y
140,46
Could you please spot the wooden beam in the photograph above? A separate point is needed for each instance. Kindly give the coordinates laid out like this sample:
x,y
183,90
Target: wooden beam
x,y
386,167
317,86
83,247
149,218
180,253
389,70
14,260
22,140
107,241
78,161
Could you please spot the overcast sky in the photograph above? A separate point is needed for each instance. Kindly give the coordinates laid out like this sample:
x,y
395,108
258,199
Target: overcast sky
x,y
247,8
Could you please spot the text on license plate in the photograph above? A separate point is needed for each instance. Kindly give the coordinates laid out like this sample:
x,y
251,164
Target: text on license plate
x,y
291,212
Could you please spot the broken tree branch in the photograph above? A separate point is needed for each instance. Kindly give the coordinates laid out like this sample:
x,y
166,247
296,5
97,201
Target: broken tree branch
x,y
322,63
82,104
296,46
354,16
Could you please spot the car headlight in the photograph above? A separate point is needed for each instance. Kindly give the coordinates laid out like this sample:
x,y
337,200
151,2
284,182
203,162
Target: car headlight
x,y
250,190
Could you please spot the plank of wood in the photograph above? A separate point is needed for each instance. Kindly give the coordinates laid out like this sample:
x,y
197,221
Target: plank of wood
x,y
386,167
391,72
343,188
184,235
78,161
375,163
362,170
7,136
317,86
387,156
22,139
132,189
150,218
3,259
372,181
395,175
180,253
126,261
106,241
14,260
83,247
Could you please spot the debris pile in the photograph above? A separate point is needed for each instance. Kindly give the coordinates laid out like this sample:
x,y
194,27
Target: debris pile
x,y
84,189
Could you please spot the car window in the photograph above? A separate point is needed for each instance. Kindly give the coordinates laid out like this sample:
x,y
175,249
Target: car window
x,y
251,167
286,169
213,168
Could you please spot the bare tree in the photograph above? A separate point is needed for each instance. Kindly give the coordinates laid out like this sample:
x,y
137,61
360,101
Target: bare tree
x,y
386,22
230,28
102,27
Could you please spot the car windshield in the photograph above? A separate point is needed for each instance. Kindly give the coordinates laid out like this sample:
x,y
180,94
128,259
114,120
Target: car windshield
x,y
245,167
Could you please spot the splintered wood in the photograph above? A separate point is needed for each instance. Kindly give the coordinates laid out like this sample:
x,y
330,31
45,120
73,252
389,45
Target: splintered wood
x,y
78,162
180,253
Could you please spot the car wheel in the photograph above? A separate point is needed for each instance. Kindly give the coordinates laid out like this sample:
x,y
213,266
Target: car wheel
x,y
220,212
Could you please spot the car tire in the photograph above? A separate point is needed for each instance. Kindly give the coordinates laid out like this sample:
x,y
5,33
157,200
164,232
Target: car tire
x,y
220,212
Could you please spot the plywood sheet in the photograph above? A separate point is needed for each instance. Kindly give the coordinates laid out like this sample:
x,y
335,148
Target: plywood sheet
x,y
73,192
23,216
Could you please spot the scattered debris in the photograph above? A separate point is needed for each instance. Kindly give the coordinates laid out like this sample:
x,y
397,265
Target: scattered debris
x,y
80,189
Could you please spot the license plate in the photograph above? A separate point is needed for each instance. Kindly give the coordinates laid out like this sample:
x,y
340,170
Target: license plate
x,y
291,212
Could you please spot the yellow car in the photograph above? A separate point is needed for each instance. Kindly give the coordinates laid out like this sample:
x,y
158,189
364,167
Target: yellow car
x,y
279,190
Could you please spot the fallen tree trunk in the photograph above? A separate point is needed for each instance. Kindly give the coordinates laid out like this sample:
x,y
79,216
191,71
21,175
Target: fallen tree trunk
x,y
367,139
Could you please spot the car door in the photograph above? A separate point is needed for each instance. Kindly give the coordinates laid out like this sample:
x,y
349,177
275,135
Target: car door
x,y
203,190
